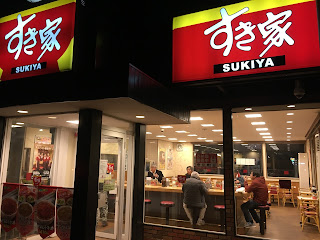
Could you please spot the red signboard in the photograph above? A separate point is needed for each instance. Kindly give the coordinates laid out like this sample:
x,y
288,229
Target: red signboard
x,y
246,38
37,41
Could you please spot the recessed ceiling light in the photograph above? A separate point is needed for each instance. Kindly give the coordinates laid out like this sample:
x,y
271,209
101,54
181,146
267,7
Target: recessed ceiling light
x,y
209,140
148,133
291,106
197,145
237,140
41,130
217,130
221,134
16,126
192,135
288,136
289,133
288,140
272,144
244,144
264,134
166,127
248,109
220,144
20,123
73,121
161,136
290,114
254,115
196,118
207,125
52,117
181,131
289,128
182,141
140,116
22,111
262,129
234,137
271,140
172,139
267,137
258,123
201,138
289,121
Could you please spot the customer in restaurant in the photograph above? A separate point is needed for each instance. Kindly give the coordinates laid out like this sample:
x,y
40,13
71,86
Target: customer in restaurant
x,y
189,171
194,191
260,196
238,179
155,173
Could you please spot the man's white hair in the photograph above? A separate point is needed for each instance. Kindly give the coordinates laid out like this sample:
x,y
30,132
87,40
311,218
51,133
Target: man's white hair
x,y
195,174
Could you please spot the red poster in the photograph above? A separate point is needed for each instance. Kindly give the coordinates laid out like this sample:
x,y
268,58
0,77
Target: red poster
x,y
64,212
25,216
110,168
45,210
182,178
9,206
245,38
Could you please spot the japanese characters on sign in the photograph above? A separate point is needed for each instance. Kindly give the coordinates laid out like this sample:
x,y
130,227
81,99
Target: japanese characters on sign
x,y
38,41
245,38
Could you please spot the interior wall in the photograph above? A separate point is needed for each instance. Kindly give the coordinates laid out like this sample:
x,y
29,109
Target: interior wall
x,y
110,148
71,159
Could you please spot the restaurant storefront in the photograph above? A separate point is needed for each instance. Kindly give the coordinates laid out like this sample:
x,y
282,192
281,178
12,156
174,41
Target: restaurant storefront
x,y
77,113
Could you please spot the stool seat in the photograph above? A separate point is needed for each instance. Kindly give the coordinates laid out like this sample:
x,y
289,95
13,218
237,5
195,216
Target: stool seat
x,y
167,203
219,207
148,201
266,207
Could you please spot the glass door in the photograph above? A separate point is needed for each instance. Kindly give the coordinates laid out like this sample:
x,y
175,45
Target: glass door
x,y
114,199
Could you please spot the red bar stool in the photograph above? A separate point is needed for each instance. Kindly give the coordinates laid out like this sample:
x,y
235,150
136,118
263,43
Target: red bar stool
x,y
221,209
167,205
263,219
147,201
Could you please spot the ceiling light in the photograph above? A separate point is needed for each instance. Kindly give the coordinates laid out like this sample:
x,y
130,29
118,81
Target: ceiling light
x,y
291,106
248,109
289,128
271,140
217,130
244,144
201,138
288,136
172,139
207,125
16,126
180,131
234,137
192,135
289,121
264,134
258,123
20,123
253,115
52,117
140,116
148,133
288,140
41,130
22,111
237,140
182,141
289,133
272,144
267,137
161,136
197,145
73,121
262,129
166,127
220,144
196,118
221,134
290,114
209,140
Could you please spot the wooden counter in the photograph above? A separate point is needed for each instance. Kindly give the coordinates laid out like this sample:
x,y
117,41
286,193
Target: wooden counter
x,y
159,188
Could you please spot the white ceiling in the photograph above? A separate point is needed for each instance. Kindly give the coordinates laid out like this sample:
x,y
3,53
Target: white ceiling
x,y
276,122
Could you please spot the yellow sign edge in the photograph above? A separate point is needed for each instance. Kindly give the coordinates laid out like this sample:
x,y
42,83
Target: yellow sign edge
x,y
214,14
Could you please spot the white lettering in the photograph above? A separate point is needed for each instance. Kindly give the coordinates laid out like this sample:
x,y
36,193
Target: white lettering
x,y
17,69
252,64
39,66
34,66
26,68
244,65
235,66
269,62
260,62
226,67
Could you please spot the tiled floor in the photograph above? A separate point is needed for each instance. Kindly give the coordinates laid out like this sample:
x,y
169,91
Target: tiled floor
x,y
284,224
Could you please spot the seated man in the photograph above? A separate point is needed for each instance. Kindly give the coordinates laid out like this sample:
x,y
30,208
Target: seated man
x,y
189,171
194,191
154,173
260,196
238,179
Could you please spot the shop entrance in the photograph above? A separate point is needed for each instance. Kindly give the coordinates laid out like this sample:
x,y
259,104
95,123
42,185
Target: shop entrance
x,y
114,198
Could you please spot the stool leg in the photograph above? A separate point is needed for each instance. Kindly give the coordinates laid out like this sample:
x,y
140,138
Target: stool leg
x,y
167,215
262,221
222,220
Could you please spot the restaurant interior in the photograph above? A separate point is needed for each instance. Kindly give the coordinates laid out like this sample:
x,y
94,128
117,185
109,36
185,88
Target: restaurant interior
x,y
280,142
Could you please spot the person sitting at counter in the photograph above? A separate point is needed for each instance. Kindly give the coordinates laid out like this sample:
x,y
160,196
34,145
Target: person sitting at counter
x,y
194,191
260,197
155,173
189,171
238,179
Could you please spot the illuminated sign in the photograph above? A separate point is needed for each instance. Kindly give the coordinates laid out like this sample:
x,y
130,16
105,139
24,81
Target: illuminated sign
x,y
246,38
37,41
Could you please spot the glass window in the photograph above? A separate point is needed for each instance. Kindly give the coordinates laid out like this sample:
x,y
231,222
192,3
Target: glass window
x,y
37,192
282,159
173,152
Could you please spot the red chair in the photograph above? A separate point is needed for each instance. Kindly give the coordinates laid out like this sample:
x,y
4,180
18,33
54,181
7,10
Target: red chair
x,y
167,205
221,209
